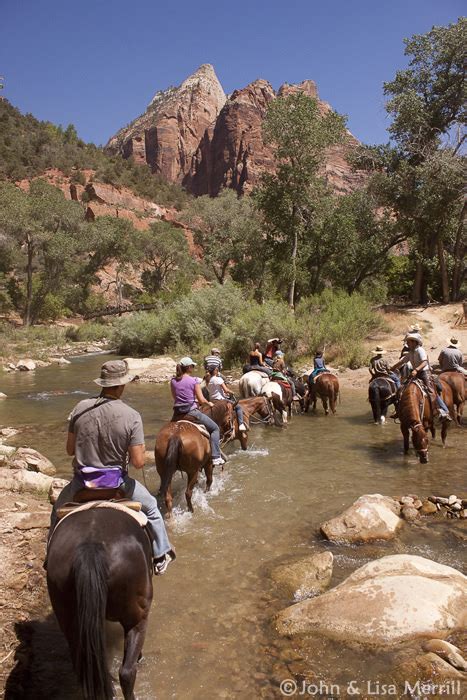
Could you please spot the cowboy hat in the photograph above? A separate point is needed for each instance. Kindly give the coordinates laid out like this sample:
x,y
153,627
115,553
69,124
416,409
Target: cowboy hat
x,y
378,350
454,342
414,336
415,328
114,373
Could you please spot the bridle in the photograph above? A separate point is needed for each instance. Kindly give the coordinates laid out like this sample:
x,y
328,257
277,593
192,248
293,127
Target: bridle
x,y
269,419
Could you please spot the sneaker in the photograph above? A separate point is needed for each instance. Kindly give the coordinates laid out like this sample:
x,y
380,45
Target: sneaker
x,y
445,416
242,427
218,461
161,563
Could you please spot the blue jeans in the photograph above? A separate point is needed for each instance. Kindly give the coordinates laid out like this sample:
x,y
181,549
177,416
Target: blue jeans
x,y
213,429
133,489
239,412
395,379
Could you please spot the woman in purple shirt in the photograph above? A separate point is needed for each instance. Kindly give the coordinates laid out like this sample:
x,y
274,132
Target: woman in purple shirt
x,y
187,394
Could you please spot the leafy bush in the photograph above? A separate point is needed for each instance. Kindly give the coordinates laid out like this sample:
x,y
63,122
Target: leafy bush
x,y
89,332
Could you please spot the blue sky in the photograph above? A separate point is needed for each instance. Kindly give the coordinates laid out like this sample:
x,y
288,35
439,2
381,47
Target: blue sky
x,y
97,63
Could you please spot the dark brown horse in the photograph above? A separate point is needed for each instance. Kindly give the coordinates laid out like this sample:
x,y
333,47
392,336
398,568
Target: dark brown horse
x,y
180,445
224,415
98,569
416,416
260,405
326,387
448,398
457,382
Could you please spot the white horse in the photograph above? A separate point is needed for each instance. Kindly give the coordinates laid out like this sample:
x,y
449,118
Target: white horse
x,y
251,384
273,391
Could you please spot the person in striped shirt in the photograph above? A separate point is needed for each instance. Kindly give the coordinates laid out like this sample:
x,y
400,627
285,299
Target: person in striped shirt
x,y
213,360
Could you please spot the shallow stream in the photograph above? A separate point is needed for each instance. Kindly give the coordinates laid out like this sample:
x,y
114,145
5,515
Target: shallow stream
x,y
210,634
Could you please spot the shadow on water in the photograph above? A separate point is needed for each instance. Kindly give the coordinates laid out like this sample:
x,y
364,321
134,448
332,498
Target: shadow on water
x,y
43,669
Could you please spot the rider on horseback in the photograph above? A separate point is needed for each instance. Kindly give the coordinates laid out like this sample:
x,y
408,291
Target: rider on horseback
x,y
318,367
450,359
380,368
187,394
421,368
218,391
104,435
283,373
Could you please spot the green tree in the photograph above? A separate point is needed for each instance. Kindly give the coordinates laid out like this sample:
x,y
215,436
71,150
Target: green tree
x,y
421,175
43,231
165,252
300,136
227,230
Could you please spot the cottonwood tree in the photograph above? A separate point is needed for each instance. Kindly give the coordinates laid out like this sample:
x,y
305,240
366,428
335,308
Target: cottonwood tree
x,y
420,176
300,136
166,255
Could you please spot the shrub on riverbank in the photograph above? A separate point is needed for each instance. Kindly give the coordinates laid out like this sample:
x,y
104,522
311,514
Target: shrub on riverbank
x,y
221,315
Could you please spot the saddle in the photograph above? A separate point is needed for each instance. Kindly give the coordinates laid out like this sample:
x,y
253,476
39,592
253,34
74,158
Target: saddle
x,y
390,382
202,429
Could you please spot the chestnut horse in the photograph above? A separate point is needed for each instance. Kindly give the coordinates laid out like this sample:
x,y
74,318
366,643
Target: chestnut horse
x,y
416,416
457,381
99,567
260,405
181,445
326,386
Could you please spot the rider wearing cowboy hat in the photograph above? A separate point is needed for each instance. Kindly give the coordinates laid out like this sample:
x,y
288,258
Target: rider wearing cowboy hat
x,y
421,368
450,359
380,368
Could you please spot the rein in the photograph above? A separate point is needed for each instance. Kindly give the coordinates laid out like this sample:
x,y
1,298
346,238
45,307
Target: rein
x,y
267,419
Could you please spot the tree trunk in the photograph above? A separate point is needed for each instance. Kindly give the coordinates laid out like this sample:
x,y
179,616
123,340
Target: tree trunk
x,y
443,272
28,306
418,283
291,294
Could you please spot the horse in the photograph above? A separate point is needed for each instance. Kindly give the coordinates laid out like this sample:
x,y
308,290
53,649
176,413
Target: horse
x,y
260,405
251,383
281,397
181,445
326,386
416,416
449,399
457,381
99,568
381,394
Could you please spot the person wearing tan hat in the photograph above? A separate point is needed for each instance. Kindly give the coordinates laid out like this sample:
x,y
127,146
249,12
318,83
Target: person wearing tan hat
x,y
418,358
213,360
104,436
450,358
380,368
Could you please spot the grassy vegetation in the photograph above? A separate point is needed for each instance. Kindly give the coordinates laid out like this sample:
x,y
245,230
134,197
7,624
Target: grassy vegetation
x,y
221,315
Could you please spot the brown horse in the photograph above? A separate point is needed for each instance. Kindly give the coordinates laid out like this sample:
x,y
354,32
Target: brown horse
x,y
456,381
326,387
416,416
223,413
260,405
99,568
180,445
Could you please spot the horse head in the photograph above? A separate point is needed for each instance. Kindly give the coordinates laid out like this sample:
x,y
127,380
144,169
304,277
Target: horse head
x,y
420,442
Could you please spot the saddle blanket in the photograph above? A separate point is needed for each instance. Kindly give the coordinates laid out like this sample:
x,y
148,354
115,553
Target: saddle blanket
x,y
137,515
202,429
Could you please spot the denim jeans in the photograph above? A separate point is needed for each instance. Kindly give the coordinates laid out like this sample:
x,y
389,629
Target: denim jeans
x,y
395,379
239,412
133,489
213,429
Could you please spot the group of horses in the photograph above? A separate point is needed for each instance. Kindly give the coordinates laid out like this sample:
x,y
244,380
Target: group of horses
x,y
414,409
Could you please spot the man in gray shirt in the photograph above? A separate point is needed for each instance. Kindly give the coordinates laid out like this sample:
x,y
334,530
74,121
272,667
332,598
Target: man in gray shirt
x,y
450,359
104,435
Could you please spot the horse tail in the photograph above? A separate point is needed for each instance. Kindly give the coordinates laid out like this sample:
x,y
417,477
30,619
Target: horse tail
x,y
90,571
375,400
171,462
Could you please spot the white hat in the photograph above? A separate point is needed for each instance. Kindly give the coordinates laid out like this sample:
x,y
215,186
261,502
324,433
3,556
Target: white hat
x,y
187,362
454,342
378,350
414,336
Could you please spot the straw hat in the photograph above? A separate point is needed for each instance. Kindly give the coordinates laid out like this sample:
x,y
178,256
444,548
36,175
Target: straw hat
x,y
378,350
415,328
453,342
114,373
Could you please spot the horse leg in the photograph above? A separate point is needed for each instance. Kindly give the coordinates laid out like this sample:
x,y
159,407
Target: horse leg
x,y
208,469
133,645
324,400
191,482
169,499
406,436
332,402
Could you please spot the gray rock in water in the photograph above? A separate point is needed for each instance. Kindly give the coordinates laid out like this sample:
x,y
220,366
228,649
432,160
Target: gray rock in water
x,y
452,499
409,513
371,517
306,577
26,365
385,602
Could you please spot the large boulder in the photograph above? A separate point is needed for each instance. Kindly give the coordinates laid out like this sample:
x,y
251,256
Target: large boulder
x,y
26,365
385,602
27,458
55,489
152,369
306,577
371,517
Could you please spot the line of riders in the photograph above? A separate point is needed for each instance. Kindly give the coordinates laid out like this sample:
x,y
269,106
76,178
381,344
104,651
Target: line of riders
x,y
414,364
105,434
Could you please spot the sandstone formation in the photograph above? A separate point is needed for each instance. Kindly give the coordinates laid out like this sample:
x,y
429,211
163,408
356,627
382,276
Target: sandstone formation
x,y
387,601
195,136
152,369
371,517
307,577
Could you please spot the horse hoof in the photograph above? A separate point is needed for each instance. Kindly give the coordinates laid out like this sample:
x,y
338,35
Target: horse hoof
x,y
382,420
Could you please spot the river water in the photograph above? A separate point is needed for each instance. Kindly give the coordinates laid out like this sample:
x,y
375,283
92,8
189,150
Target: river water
x,y
210,633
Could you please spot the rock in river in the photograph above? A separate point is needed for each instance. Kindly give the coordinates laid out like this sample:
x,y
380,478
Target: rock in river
x,y
384,602
305,577
371,517
26,365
